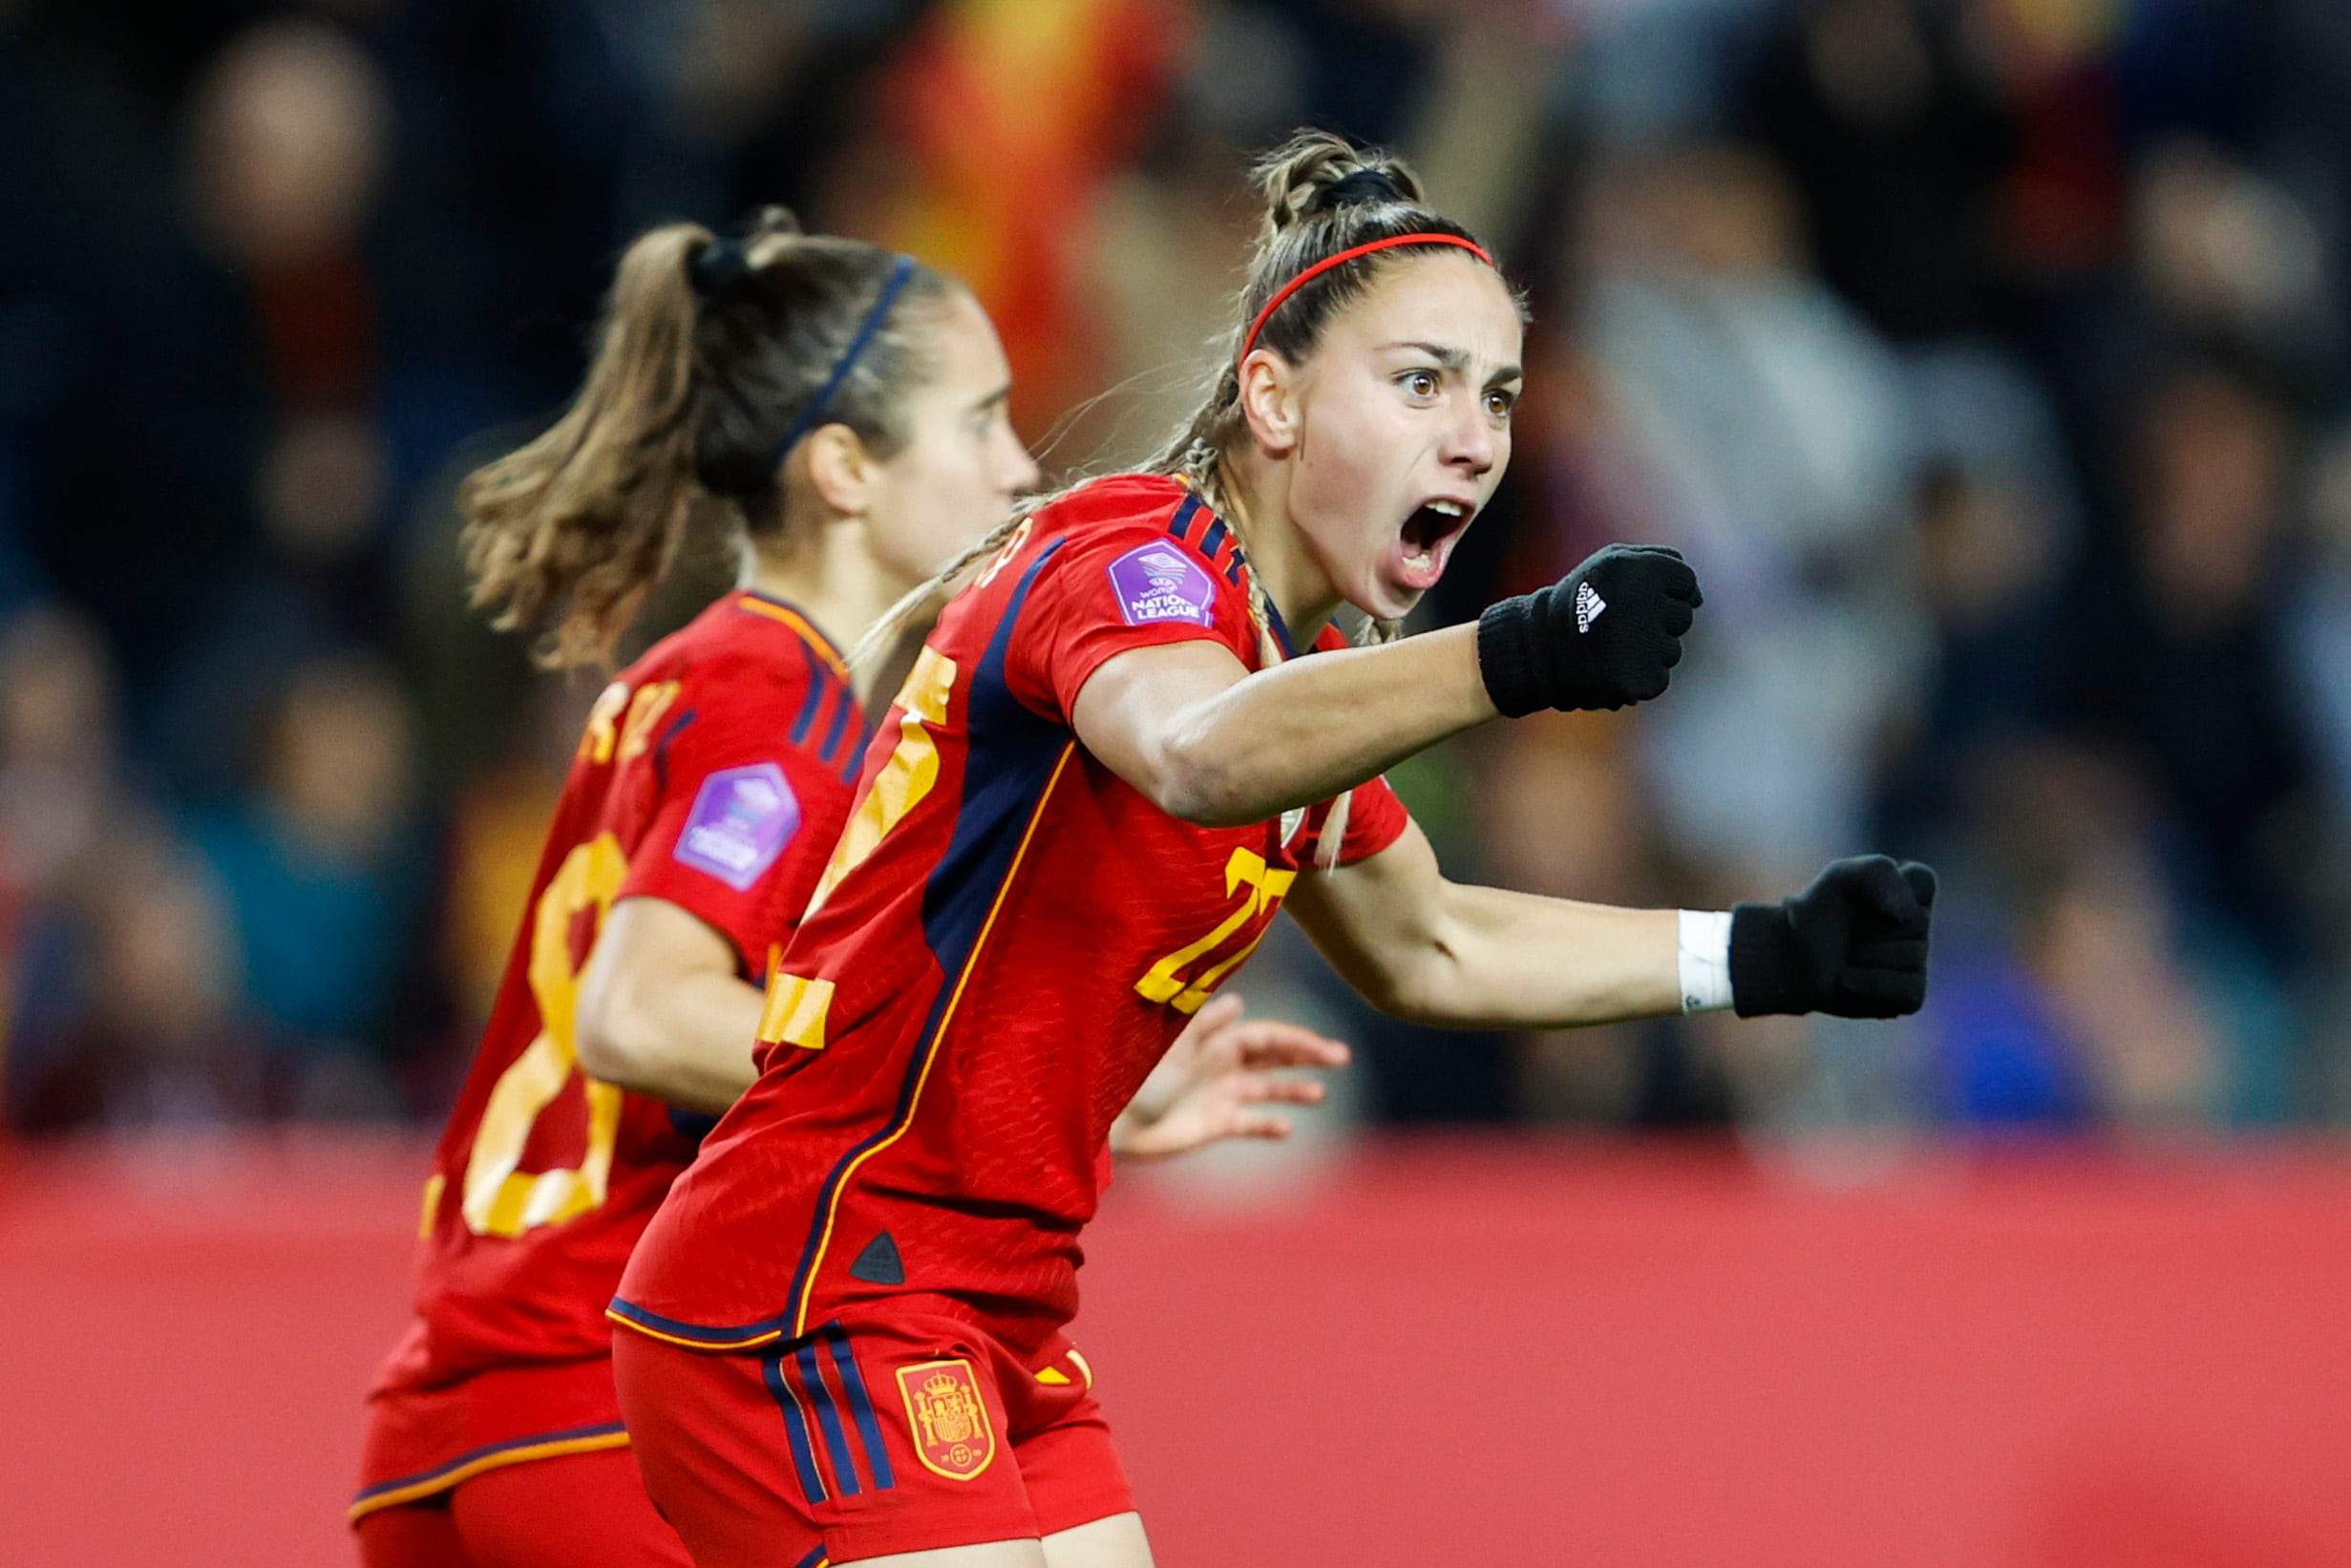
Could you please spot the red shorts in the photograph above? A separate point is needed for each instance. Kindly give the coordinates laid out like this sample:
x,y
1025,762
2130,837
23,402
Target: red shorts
x,y
515,1467
581,1510
424,1441
903,1434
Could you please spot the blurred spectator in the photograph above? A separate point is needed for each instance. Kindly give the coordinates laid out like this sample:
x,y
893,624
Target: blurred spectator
x,y
288,131
1769,425
2319,616
2232,259
1563,814
2064,992
1894,121
320,878
2174,652
160,1043
57,747
59,804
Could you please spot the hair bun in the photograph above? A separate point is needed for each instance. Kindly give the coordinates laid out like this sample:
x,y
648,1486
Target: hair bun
x,y
718,267
1363,187
1317,172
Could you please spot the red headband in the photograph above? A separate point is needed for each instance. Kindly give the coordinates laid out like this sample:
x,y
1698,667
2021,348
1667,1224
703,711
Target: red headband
x,y
1347,255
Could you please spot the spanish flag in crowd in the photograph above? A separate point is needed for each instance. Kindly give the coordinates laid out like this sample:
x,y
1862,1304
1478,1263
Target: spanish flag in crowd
x,y
1011,112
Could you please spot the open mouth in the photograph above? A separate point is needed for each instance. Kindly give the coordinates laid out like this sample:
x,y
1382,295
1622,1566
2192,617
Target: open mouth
x,y
1428,540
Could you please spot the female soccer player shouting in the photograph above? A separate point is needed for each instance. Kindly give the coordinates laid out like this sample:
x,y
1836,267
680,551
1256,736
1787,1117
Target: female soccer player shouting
x,y
843,410
1109,771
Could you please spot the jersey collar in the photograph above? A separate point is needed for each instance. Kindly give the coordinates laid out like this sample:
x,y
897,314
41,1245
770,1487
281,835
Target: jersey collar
x,y
755,603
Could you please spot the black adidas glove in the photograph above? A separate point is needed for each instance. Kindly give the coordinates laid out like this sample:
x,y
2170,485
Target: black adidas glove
x,y
1607,634
1854,943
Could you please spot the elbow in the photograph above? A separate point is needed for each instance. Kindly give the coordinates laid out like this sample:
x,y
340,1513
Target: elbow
x,y
1413,984
1197,801
1411,999
1192,786
608,1039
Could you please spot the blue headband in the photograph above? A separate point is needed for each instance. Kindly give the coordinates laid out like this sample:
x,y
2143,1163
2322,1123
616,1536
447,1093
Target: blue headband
x,y
813,414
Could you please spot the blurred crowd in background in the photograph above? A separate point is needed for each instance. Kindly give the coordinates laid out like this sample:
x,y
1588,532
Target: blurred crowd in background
x,y
1991,360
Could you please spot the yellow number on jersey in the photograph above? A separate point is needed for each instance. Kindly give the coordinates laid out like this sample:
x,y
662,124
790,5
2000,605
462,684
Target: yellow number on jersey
x,y
596,740
644,710
500,1198
905,779
1165,982
1011,547
632,733
794,1014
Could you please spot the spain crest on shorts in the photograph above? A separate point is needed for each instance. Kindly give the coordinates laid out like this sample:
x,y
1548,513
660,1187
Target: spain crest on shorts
x,y
948,1417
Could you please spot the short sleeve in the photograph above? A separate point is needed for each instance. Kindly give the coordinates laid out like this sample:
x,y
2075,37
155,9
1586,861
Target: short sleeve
x,y
737,811
1104,589
1375,820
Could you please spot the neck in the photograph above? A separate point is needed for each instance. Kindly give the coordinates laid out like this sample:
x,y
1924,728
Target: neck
x,y
831,578
1257,490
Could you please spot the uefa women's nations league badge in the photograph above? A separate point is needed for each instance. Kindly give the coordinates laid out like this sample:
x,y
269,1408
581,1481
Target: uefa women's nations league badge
x,y
1160,583
741,821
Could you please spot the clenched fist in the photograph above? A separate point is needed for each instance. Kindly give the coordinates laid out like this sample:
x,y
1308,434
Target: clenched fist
x,y
1852,944
1607,634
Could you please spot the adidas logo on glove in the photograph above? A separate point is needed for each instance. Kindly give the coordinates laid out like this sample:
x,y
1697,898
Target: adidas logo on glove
x,y
1547,649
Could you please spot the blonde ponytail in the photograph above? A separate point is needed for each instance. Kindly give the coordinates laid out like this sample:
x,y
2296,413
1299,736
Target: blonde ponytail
x,y
588,517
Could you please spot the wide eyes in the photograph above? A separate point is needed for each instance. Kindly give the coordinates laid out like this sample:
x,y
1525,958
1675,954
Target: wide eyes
x,y
1425,386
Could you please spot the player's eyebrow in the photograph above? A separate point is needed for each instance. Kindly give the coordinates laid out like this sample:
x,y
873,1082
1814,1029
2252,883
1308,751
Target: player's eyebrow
x,y
1450,358
1000,394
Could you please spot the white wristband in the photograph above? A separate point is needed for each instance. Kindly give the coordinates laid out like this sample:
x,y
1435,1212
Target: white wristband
x,y
1704,960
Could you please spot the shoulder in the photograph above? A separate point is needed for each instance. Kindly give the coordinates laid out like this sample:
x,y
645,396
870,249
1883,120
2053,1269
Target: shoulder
x,y
744,644
1142,501
1123,563
748,671
1147,543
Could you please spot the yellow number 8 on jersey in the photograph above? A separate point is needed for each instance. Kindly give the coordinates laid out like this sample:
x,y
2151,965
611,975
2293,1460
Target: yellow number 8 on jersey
x,y
500,1199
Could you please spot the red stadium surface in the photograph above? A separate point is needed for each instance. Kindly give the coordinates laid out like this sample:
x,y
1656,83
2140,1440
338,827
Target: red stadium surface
x,y
1524,1353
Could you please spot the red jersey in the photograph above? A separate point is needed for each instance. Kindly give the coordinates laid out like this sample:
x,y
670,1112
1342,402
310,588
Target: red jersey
x,y
1008,938
713,775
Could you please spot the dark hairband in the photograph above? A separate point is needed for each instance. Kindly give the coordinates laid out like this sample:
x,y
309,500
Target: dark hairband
x,y
1364,185
718,267
814,414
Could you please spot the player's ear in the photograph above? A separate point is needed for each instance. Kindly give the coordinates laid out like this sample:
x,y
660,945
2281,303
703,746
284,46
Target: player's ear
x,y
840,469
1269,401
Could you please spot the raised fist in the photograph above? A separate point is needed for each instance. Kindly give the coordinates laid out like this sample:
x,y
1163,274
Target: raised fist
x,y
1607,634
1854,943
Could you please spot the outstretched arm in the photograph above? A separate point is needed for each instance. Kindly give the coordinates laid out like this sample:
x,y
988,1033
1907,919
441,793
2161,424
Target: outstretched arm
x,y
1434,951
1854,943
1208,742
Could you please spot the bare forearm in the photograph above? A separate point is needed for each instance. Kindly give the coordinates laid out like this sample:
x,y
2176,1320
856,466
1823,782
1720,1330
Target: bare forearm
x,y
686,1041
1503,959
1306,729
1482,958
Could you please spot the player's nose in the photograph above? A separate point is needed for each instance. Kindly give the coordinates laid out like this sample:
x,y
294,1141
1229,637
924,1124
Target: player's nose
x,y
1470,444
1017,471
